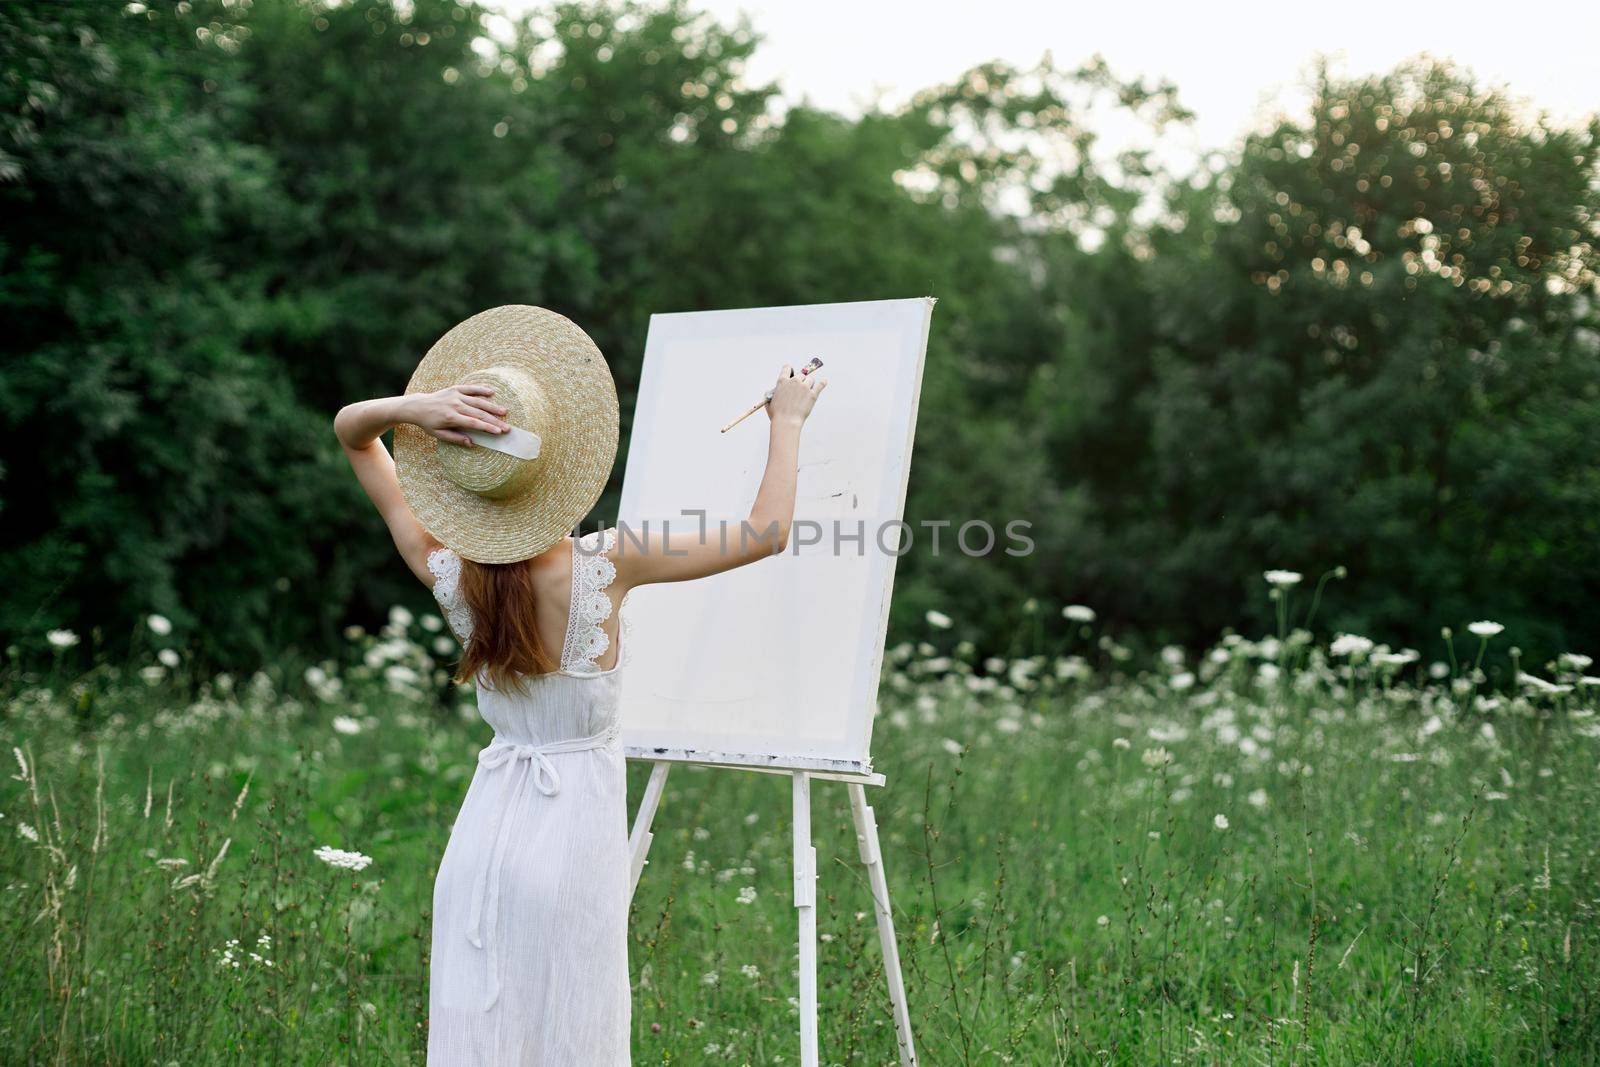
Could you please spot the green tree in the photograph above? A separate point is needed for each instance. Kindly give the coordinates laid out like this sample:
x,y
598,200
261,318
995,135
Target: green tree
x,y
1369,341
153,456
1369,338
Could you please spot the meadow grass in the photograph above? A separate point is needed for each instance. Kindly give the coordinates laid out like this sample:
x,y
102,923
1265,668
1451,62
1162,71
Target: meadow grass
x,y
1274,852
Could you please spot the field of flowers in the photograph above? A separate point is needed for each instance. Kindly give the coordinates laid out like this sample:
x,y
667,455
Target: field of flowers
x,y
1281,850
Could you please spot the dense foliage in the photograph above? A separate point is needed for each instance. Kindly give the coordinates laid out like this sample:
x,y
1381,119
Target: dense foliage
x,y
1367,338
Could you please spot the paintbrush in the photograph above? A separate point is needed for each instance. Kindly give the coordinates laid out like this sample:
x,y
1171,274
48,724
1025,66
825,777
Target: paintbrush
x,y
759,404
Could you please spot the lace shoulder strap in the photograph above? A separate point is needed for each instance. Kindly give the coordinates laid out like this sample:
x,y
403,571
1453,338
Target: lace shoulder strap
x,y
445,566
592,572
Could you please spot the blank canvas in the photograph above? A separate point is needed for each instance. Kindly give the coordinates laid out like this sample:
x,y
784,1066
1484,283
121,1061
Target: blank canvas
x,y
775,663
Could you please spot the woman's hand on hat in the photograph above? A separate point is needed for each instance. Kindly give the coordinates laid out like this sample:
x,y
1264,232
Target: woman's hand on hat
x,y
793,397
449,413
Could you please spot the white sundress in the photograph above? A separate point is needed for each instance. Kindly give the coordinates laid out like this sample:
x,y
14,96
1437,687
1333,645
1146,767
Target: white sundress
x,y
529,964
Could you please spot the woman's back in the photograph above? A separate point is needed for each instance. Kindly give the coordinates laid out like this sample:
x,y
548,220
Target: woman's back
x,y
580,698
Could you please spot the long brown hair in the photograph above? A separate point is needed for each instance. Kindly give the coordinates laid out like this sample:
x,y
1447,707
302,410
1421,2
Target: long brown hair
x,y
505,640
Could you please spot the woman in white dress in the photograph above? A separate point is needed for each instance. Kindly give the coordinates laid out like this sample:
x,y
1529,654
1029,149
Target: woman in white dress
x,y
529,961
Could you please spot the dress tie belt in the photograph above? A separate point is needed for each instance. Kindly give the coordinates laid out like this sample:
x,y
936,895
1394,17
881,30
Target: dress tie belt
x,y
536,766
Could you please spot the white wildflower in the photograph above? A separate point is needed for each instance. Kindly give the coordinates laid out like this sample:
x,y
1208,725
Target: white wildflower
x,y
1078,613
169,658
1220,821
398,676
951,746
61,638
1575,661
1539,685
1350,645
1104,920
1282,579
159,625
399,617
1257,798
336,857
27,831
750,971
1484,628
747,894
344,724
1155,757
938,620
1073,667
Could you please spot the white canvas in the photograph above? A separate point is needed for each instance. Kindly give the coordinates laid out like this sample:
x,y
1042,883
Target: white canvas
x,y
773,664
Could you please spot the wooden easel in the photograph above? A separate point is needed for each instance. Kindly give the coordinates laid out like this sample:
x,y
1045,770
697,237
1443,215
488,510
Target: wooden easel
x,y
805,882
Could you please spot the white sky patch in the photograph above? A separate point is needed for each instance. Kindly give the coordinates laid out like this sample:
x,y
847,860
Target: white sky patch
x,y
1236,63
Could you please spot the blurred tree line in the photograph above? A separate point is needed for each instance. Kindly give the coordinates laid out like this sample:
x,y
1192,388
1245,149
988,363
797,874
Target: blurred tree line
x,y
1367,337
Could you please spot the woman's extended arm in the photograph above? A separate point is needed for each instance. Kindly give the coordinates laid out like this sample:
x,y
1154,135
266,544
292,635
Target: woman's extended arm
x,y
446,414
645,556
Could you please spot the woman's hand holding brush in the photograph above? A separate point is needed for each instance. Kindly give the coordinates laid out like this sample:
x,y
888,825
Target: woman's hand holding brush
x,y
798,392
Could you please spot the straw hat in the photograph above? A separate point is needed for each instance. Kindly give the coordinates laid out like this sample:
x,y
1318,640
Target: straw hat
x,y
490,505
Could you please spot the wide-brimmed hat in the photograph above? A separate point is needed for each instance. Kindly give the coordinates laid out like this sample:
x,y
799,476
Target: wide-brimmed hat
x,y
515,494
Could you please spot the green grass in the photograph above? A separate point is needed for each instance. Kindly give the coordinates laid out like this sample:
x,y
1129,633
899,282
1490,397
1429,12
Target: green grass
x,y
1408,872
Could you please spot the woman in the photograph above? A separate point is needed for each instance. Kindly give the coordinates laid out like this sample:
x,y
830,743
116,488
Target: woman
x,y
505,438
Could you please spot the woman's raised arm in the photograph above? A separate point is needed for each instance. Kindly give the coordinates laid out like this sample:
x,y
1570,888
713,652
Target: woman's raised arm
x,y
447,414
647,556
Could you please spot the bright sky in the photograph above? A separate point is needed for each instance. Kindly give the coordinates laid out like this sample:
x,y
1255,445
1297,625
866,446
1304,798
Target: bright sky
x,y
1228,58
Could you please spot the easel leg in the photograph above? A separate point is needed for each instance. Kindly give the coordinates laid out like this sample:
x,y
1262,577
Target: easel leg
x,y
805,902
639,840
867,842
